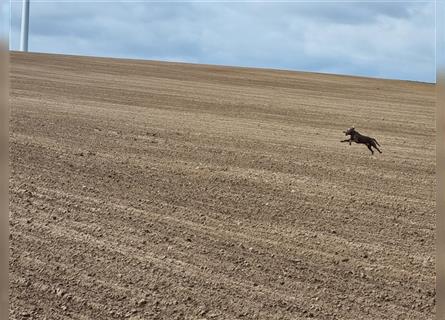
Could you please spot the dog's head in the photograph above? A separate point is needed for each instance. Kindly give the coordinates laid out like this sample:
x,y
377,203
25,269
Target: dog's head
x,y
350,131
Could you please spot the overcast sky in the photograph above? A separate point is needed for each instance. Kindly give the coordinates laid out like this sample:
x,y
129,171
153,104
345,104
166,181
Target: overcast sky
x,y
379,39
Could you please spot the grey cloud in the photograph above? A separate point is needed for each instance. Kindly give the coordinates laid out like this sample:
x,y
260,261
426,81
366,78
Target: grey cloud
x,y
358,13
363,39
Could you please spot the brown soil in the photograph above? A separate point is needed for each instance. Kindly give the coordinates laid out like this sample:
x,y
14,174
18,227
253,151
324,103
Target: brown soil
x,y
149,190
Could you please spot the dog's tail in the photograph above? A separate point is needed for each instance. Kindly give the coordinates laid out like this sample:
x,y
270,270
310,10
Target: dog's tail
x,y
376,142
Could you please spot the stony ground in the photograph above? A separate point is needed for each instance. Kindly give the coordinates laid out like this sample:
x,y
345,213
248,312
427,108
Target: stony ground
x,y
150,190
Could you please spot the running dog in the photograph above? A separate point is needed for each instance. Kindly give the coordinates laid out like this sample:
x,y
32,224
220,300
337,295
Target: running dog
x,y
356,137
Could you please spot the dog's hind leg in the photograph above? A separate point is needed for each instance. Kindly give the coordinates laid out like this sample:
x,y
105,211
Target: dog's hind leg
x,y
374,140
374,145
369,147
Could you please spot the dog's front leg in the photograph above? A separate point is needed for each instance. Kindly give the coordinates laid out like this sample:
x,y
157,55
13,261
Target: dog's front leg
x,y
347,140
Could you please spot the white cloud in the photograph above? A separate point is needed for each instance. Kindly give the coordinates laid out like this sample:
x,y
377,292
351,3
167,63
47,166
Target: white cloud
x,y
390,47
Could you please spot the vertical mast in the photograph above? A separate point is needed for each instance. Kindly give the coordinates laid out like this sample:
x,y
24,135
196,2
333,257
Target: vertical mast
x,y
25,26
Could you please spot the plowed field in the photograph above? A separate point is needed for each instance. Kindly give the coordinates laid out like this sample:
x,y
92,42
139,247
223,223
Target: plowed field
x,y
150,190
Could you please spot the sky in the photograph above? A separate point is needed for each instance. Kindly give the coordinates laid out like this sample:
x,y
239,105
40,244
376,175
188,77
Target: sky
x,y
394,40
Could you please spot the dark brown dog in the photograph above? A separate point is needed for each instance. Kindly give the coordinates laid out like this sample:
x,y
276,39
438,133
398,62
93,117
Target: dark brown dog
x,y
359,138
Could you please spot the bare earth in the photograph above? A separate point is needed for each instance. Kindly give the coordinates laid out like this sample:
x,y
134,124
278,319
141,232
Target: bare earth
x,y
150,190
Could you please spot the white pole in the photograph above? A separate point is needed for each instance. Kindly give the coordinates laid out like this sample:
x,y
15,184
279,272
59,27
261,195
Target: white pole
x,y
25,26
